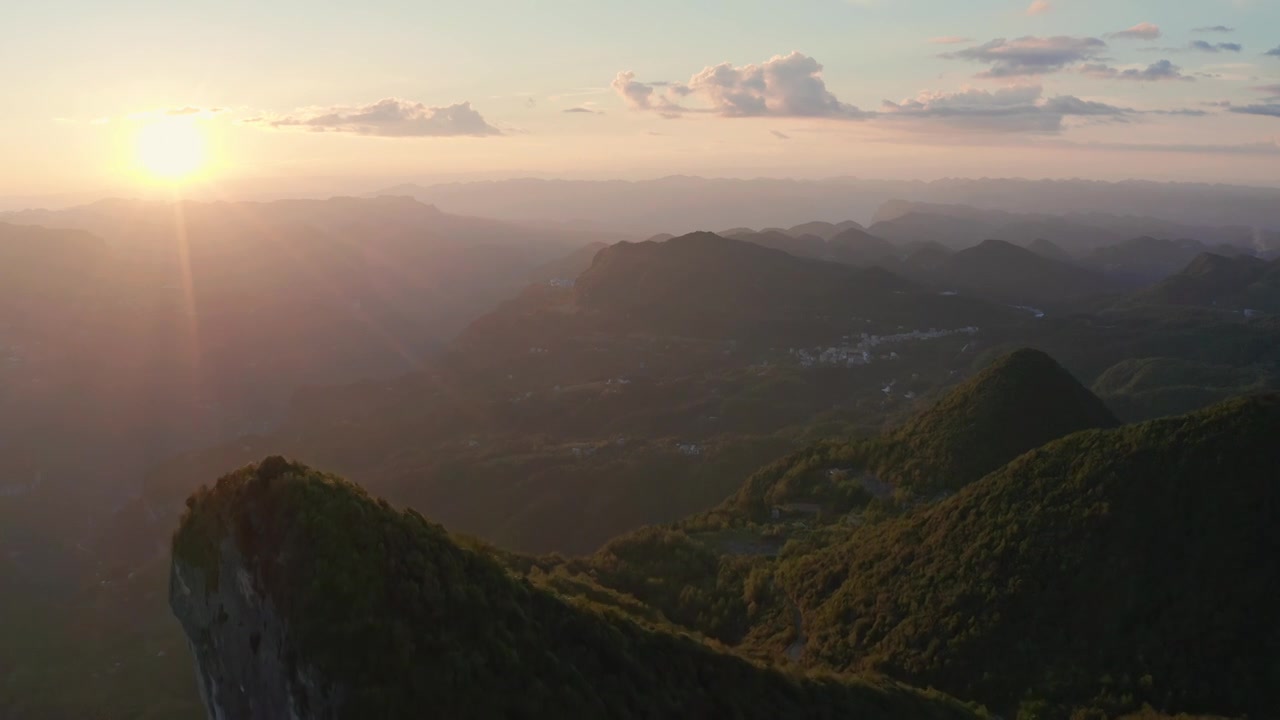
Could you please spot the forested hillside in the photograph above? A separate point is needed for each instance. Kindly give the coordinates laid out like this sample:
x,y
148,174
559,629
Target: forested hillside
x,y
301,592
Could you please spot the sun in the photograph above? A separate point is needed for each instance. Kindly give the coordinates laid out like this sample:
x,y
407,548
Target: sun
x,y
171,149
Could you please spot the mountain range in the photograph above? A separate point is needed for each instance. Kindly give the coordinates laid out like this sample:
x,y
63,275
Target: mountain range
x,y
681,204
1081,576
681,423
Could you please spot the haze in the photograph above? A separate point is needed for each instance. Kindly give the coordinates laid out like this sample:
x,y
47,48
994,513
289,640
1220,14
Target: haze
x,y
756,359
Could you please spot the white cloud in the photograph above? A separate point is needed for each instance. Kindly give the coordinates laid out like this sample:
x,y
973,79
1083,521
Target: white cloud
x,y
390,117
784,86
1020,108
1155,72
1039,7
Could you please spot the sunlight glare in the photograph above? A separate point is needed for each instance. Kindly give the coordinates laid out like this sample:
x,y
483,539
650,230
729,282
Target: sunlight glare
x,y
171,149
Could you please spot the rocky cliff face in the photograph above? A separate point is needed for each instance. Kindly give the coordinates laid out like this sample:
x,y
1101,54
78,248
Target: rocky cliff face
x,y
244,666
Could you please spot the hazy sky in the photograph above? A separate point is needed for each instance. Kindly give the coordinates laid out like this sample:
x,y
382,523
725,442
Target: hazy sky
x,y
296,94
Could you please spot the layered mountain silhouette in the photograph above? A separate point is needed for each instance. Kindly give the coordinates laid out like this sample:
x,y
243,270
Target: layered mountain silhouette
x,y
1145,260
1050,250
710,286
824,230
846,243
1077,232
1239,283
682,203
1002,271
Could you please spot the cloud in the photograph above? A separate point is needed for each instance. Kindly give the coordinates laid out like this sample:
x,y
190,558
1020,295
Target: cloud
x,y
1202,46
1214,29
390,117
1274,52
1216,103
1029,55
1141,31
1268,109
1039,7
1271,91
1162,70
643,96
780,135
950,40
784,86
1021,108
580,110
1185,112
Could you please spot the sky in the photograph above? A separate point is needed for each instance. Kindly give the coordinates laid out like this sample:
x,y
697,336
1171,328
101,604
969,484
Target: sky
x,y
291,97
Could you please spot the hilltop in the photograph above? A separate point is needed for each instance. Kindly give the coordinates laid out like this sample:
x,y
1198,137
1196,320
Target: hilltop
x,y
1002,271
303,595
1021,401
740,290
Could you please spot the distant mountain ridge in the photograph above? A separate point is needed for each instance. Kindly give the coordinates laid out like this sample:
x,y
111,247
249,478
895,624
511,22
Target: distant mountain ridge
x,y
1234,283
999,270
680,204
751,291
1077,232
849,245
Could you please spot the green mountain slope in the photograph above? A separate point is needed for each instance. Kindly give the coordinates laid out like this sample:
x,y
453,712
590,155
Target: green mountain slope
x,y
1019,402
1105,569
301,594
1145,388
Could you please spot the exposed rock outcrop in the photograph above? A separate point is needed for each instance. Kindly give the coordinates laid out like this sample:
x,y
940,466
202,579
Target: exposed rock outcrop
x,y
244,666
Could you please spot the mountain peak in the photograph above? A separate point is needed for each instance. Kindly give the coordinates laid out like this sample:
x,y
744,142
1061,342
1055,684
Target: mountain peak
x,y
1207,263
1049,249
1021,401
